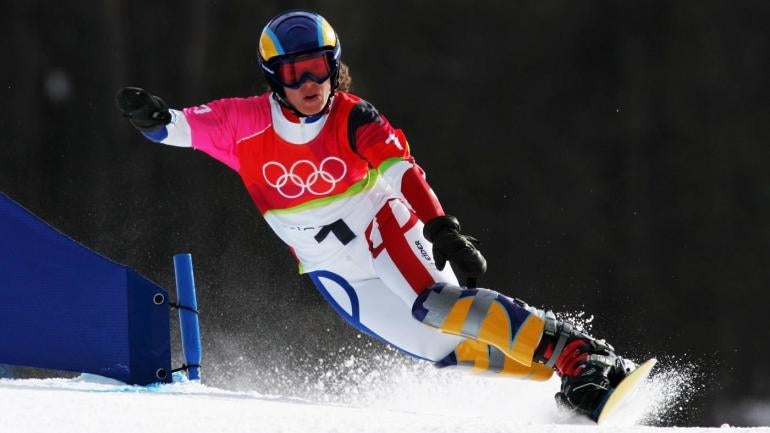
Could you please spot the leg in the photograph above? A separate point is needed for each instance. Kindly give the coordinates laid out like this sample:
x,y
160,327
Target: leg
x,y
589,368
479,327
371,307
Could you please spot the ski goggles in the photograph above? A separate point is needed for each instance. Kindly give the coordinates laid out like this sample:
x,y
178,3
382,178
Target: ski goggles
x,y
296,70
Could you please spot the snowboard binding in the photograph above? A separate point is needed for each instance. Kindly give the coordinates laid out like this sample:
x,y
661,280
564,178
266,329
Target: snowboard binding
x,y
589,368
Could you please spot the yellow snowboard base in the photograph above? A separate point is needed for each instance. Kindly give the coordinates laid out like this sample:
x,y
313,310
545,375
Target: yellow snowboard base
x,y
625,390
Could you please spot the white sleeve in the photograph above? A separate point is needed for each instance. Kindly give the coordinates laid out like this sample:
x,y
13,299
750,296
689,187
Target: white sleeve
x,y
178,130
175,133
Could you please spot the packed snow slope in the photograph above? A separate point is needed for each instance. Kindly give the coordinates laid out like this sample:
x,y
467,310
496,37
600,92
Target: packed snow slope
x,y
403,397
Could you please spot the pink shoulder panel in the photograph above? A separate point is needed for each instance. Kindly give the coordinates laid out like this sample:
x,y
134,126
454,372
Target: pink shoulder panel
x,y
218,126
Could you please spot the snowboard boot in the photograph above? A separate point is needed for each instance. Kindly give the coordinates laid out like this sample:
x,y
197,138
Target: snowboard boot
x,y
589,368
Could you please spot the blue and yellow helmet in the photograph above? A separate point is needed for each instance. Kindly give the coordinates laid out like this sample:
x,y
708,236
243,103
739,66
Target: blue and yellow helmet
x,y
295,34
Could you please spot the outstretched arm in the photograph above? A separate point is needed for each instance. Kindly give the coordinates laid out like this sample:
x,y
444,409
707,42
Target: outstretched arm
x,y
214,128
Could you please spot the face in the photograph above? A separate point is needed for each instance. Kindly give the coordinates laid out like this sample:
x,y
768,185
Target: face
x,y
310,98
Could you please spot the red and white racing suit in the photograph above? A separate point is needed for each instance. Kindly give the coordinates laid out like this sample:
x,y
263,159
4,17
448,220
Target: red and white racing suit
x,y
342,190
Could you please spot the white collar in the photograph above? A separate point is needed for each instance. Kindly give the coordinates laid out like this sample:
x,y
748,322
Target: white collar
x,y
295,133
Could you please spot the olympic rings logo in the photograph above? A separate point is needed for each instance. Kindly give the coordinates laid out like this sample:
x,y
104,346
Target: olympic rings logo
x,y
304,176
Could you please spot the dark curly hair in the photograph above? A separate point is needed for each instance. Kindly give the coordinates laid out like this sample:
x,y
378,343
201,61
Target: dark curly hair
x,y
346,81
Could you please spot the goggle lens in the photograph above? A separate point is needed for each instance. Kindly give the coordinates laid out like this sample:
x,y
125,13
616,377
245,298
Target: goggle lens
x,y
292,73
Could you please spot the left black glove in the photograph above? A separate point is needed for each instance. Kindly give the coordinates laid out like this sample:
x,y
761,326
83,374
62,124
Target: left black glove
x,y
449,244
145,111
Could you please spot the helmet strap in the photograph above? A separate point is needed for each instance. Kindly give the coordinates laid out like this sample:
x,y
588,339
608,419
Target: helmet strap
x,y
285,104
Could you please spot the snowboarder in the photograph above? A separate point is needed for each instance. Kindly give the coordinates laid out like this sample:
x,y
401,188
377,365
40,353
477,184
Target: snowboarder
x,y
337,183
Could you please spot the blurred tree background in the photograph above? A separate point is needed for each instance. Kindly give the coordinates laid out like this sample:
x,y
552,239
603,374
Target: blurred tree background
x,y
611,156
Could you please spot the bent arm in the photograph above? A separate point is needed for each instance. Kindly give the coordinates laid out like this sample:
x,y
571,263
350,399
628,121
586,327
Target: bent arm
x,y
409,179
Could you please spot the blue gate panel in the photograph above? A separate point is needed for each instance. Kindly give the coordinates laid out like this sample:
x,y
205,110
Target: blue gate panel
x,y
66,307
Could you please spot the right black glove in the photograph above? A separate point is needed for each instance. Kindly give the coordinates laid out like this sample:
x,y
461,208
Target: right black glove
x,y
450,244
146,112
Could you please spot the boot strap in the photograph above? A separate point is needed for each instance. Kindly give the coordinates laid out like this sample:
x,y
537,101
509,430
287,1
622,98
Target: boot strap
x,y
564,331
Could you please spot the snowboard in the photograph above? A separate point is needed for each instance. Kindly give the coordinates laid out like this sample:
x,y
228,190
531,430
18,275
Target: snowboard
x,y
624,393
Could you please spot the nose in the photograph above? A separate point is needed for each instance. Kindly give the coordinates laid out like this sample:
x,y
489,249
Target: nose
x,y
308,84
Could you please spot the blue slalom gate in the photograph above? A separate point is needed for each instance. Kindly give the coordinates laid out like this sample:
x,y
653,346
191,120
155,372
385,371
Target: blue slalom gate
x,y
65,307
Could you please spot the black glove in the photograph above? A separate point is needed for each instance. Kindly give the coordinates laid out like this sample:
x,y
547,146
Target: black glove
x,y
146,112
449,244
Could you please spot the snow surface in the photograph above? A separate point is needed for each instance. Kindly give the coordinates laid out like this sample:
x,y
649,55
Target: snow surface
x,y
348,398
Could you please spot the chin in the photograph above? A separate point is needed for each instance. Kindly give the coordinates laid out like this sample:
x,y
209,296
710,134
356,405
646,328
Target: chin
x,y
311,111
